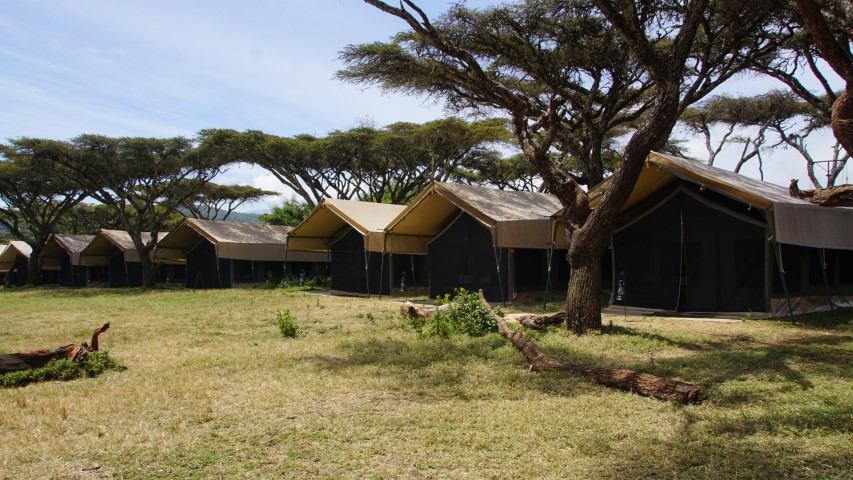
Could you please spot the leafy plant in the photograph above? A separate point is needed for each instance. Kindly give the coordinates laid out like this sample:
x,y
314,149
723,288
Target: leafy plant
x,y
62,369
286,325
466,315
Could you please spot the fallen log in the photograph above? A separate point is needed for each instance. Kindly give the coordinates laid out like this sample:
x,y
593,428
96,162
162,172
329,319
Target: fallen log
x,y
415,311
13,362
644,384
835,196
536,322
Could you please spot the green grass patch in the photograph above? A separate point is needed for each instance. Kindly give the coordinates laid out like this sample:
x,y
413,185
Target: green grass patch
x,y
212,391
63,370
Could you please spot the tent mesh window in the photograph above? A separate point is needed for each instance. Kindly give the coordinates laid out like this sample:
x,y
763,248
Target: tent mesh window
x,y
463,257
348,258
124,274
691,255
205,270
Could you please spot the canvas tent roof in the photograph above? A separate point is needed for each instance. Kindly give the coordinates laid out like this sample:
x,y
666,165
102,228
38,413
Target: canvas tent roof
x,y
792,220
231,240
104,244
72,245
10,253
516,219
332,218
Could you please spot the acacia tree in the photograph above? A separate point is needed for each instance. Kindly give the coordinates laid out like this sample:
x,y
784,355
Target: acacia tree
x,y
573,76
830,27
143,181
33,196
218,202
392,163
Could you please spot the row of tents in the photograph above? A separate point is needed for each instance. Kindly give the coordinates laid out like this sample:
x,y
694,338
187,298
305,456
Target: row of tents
x,y
691,238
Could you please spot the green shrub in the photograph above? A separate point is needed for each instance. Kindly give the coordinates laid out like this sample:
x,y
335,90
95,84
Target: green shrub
x,y
286,325
62,369
466,315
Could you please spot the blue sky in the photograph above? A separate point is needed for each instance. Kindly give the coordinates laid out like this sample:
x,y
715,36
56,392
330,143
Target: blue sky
x,y
165,68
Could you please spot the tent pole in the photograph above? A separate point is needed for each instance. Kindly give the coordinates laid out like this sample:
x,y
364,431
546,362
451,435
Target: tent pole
x,y
821,254
382,271
414,277
550,258
778,251
366,272
284,265
498,266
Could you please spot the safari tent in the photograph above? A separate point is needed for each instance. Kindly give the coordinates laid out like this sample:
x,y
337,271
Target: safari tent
x,y
114,249
220,254
478,237
351,233
14,263
695,238
63,252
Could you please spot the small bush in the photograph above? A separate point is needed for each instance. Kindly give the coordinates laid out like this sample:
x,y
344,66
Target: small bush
x,y
63,369
286,325
466,315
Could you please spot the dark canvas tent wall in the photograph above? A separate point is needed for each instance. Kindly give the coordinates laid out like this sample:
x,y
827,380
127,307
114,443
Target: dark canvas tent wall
x,y
63,252
220,254
478,237
14,263
351,232
696,238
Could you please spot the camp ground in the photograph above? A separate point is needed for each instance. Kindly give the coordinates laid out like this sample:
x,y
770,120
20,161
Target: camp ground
x,y
14,263
220,254
695,238
352,234
478,237
62,252
114,249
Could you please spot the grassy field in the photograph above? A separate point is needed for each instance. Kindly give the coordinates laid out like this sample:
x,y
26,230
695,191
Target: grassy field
x,y
212,390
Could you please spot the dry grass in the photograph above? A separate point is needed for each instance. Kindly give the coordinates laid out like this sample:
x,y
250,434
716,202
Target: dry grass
x,y
212,390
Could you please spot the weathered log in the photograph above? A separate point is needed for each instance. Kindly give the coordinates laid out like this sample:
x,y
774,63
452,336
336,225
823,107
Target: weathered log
x,y
415,311
644,384
536,322
837,196
13,362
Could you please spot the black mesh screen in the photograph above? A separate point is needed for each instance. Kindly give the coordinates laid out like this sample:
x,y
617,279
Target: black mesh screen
x,y
647,257
463,257
204,270
124,274
348,259
72,275
716,265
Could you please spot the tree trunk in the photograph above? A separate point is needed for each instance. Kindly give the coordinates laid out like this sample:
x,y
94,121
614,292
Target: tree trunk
x,y
34,267
583,301
12,362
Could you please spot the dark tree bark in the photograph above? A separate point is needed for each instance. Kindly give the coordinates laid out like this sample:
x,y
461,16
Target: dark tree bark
x,y
837,196
13,362
838,56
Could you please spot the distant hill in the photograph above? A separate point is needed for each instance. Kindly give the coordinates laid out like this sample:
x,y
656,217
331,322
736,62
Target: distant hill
x,y
244,217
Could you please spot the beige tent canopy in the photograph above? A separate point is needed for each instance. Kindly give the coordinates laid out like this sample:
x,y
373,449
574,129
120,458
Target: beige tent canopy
x,y
104,245
515,219
332,218
60,244
232,240
791,220
9,255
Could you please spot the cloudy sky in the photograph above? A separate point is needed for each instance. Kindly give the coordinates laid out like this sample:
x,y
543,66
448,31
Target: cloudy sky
x,y
163,68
